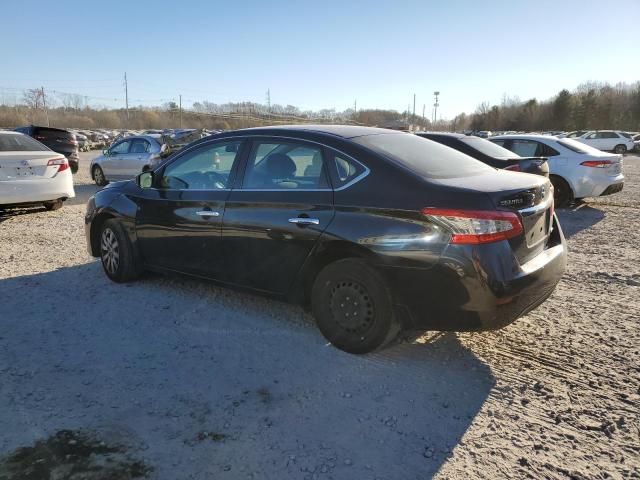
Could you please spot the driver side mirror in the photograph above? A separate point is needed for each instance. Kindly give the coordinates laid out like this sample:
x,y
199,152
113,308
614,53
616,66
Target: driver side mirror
x,y
145,180
164,150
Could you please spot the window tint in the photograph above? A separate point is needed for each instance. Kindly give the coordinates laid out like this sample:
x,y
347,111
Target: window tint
x,y
422,156
486,147
120,148
139,145
499,142
625,134
20,143
205,168
524,148
346,169
592,136
285,166
545,150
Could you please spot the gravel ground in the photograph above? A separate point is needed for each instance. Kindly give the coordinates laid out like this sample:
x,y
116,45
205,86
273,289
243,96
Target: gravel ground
x,y
176,379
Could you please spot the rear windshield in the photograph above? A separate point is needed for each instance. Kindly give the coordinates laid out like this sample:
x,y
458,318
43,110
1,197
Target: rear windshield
x,y
52,132
488,148
10,142
424,157
577,147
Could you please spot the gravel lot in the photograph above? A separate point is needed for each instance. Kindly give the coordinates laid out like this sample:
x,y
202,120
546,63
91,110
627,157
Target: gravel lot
x,y
176,379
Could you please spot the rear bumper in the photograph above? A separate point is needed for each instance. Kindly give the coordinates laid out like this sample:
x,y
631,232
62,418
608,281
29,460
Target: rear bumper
x,y
14,192
477,287
611,189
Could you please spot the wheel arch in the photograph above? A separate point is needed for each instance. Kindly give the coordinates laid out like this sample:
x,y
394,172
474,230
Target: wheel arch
x,y
323,254
94,234
566,180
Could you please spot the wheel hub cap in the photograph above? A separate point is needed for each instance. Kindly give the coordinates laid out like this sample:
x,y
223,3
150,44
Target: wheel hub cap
x,y
351,307
110,250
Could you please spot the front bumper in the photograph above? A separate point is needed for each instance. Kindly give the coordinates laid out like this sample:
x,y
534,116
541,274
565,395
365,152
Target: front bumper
x,y
479,287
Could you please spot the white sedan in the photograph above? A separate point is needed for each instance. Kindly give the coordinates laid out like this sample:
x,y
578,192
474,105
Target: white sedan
x,y
576,170
31,173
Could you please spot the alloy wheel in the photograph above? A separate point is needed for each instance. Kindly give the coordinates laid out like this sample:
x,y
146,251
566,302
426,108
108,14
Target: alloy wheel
x,y
110,251
98,176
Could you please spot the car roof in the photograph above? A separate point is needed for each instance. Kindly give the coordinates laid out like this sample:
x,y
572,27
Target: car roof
x,y
343,131
10,132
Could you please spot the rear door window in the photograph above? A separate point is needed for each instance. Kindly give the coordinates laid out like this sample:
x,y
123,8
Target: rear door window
x,y
423,157
120,148
285,166
139,145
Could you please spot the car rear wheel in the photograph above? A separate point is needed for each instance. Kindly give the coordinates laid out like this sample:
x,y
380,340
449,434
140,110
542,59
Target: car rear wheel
x,y
620,149
116,253
562,194
353,307
98,176
53,205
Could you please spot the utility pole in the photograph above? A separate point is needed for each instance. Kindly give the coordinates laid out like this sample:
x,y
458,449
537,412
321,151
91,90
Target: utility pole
x,y
44,104
423,107
413,119
355,107
180,110
269,104
126,96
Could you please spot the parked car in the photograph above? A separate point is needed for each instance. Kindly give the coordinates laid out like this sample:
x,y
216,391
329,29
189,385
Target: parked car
x,y
83,142
126,158
574,134
490,153
607,140
57,139
298,213
576,170
31,173
636,142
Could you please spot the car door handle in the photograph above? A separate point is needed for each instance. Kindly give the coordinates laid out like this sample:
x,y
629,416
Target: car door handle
x,y
304,221
208,213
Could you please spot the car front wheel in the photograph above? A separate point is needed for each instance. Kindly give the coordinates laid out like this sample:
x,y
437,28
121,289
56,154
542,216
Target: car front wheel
x,y
116,253
353,307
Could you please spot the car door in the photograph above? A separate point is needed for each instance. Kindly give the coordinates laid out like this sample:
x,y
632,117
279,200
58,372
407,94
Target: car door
x,y
179,219
114,161
276,213
593,139
137,158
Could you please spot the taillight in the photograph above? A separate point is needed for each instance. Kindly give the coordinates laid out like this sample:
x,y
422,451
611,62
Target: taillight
x,y
514,168
597,163
473,227
60,162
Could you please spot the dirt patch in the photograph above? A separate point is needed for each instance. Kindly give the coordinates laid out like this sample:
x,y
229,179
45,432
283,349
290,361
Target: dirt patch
x,y
72,454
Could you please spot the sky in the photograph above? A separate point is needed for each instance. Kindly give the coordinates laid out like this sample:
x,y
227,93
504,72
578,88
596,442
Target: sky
x,y
317,54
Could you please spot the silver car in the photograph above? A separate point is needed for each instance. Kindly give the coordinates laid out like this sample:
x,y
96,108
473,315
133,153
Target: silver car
x,y
126,158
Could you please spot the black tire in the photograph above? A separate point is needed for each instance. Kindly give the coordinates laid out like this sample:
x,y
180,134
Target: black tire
x,y
98,176
562,194
621,149
117,255
353,281
53,205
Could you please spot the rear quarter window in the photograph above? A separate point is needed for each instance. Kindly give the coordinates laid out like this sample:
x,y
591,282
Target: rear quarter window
x,y
424,157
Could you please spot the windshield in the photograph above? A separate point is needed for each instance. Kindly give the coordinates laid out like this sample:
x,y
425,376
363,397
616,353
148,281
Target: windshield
x,y
424,157
488,148
10,142
578,147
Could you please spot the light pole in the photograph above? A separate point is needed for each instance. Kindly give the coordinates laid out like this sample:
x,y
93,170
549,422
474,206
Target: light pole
x,y
435,107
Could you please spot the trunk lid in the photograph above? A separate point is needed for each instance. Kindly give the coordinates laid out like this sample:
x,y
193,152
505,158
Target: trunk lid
x,y
531,196
27,165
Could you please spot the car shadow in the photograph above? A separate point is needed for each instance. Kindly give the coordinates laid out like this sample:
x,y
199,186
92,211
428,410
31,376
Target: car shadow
x,y
7,213
578,217
211,381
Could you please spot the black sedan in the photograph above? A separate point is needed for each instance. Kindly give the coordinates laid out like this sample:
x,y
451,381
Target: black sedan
x,y
374,230
486,152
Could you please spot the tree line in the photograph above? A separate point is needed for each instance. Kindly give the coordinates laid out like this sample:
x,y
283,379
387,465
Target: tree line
x,y
590,106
